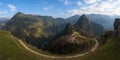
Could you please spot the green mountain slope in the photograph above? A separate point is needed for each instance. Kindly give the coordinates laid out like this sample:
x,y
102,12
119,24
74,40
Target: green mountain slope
x,y
35,29
10,49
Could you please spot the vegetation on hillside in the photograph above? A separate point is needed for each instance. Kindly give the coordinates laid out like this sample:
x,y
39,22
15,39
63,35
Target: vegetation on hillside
x,y
10,49
34,29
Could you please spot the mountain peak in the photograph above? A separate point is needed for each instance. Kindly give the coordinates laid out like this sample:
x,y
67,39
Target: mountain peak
x,y
83,23
19,13
84,16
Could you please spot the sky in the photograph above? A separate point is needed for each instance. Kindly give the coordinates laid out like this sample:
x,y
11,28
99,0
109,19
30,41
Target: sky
x,y
59,8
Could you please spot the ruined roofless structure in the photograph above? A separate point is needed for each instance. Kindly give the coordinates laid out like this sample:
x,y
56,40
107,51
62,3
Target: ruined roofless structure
x,y
117,24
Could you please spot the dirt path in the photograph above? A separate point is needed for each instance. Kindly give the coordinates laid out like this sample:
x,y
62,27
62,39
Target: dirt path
x,y
37,53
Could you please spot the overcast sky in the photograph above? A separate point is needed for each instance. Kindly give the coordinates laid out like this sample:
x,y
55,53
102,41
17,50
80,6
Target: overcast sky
x,y
59,8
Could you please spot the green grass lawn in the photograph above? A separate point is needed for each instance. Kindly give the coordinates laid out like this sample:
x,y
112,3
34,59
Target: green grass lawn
x,y
10,49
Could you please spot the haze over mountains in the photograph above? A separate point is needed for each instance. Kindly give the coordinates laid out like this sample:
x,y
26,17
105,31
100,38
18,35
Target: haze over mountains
x,y
105,20
3,21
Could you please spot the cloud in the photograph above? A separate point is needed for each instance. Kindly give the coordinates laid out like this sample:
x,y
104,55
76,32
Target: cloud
x,y
46,8
79,3
90,1
50,7
12,7
66,2
108,7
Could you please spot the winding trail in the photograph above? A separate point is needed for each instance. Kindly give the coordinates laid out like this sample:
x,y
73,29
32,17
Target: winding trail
x,y
49,56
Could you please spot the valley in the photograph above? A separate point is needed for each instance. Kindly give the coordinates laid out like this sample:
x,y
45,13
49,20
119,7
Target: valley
x,y
109,51
45,55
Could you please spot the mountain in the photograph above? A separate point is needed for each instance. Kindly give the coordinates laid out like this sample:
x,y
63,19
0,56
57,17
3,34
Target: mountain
x,y
34,29
74,38
70,41
73,19
2,23
105,20
37,29
87,25
3,19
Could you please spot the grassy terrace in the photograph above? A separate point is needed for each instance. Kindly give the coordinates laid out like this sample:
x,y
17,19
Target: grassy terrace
x,y
10,49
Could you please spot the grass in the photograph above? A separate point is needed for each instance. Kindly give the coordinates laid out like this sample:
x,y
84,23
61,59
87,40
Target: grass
x,y
77,33
10,49
110,51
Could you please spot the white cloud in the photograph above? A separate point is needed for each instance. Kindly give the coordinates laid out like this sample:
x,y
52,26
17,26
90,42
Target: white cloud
x,y
90,1
79,3
108,7
11,7
66,2
46,8
50,7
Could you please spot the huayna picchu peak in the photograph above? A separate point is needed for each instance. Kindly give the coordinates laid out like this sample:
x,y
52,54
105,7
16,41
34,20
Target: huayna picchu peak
x,y
85,24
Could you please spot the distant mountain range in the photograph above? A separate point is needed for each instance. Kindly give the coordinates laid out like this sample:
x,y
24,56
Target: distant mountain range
x,y
105,20
3,21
